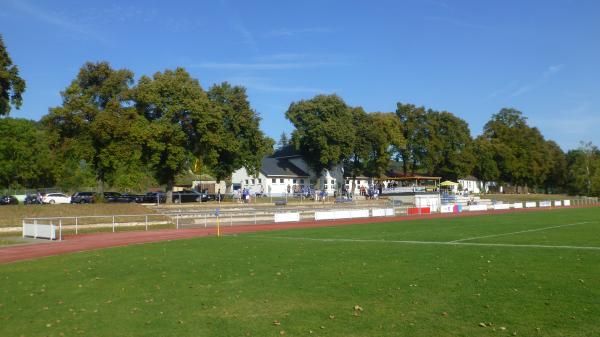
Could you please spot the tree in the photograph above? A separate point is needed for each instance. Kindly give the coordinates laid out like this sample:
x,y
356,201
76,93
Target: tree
x,y
436,142
556,179
519,150
96,124
242,143
379,137
25,157
183,124
485,167
449,147
325,133
283,140
584,170
12,85
416,134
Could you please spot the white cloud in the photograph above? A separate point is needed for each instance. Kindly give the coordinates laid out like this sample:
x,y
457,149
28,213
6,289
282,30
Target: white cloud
x,y
545,77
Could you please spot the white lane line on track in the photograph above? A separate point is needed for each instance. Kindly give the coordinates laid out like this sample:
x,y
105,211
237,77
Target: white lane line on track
x,y
520,232
440,243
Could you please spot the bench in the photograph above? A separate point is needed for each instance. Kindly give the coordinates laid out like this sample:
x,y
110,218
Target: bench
x,y
280,203
343,200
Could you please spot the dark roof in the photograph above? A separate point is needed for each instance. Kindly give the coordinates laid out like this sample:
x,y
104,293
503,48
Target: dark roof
x,y
285,151
280,167
470,177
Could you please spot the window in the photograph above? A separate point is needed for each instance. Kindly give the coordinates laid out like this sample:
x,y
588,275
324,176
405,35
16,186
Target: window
x,y
333,182
324,187
281,181
246,181
301,181
259,181
347,181
273,180
252,181
294,181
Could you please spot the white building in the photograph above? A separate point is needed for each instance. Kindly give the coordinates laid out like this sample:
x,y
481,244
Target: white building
x,y
287,172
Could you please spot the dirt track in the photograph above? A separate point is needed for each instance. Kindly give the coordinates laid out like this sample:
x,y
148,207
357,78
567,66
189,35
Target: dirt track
x,y
85,242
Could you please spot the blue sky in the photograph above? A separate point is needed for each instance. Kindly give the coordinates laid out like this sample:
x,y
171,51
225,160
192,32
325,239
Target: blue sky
x,y
468,57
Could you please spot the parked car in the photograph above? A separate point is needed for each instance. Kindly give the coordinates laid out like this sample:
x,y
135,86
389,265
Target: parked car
x,y
33,199
153,197
118,197
82,198
9,200
189,196
56,198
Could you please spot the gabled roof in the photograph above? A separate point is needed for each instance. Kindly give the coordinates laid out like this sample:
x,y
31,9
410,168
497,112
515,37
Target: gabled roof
x,y
286,151
470,178
280,168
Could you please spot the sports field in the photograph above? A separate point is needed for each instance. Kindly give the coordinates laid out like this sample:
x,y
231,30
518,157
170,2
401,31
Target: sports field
x,y
523,274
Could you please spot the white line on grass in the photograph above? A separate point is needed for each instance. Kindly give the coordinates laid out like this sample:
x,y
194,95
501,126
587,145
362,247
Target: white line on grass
x,y
520,232
441,243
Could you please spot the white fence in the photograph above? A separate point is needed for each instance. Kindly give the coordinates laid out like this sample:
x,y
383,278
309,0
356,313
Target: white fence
x,y
41,231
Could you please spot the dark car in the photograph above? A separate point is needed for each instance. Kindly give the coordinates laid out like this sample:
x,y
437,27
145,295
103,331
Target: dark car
x,y
117,197
189,196
154,197
82,198
9,200
136,197
32,199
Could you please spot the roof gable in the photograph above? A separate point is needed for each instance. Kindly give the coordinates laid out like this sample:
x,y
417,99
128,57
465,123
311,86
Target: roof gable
x,y
280,167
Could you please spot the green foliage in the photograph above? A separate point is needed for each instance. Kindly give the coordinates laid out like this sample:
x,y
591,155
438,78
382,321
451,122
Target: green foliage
x,y
12,85
283,140
379,136
449,147
325,133
25,158
74,174
584,170
436,142
241,142
415,132
96,122
182,124
485,167
519,150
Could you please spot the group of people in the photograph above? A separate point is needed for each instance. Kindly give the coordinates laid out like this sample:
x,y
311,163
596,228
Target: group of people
x,y
370,192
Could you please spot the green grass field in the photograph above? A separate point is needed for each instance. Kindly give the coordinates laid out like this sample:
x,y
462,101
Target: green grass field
x,y
523,274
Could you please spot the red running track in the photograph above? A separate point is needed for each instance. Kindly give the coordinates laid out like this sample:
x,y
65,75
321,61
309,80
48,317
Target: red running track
x,y
85,242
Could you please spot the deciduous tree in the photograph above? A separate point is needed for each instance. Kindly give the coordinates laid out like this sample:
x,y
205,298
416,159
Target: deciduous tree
x,y
12,85
96,123
325,132
182,123
242,143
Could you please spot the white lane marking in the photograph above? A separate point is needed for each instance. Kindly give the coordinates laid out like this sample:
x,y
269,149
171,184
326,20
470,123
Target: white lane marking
x,y
441,243
519,232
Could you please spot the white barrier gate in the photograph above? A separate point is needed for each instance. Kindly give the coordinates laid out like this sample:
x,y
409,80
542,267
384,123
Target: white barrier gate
x,y
39,231
501,206
286,217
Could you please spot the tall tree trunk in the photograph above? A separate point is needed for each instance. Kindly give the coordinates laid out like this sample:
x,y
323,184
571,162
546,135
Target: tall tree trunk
x,y
100,187
170,184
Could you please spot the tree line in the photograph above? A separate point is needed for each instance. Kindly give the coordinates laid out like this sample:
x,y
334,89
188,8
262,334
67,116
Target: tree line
x,y
424,141
111,130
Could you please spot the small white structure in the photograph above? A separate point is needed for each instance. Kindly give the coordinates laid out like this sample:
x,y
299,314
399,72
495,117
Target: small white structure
x,y
470,184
